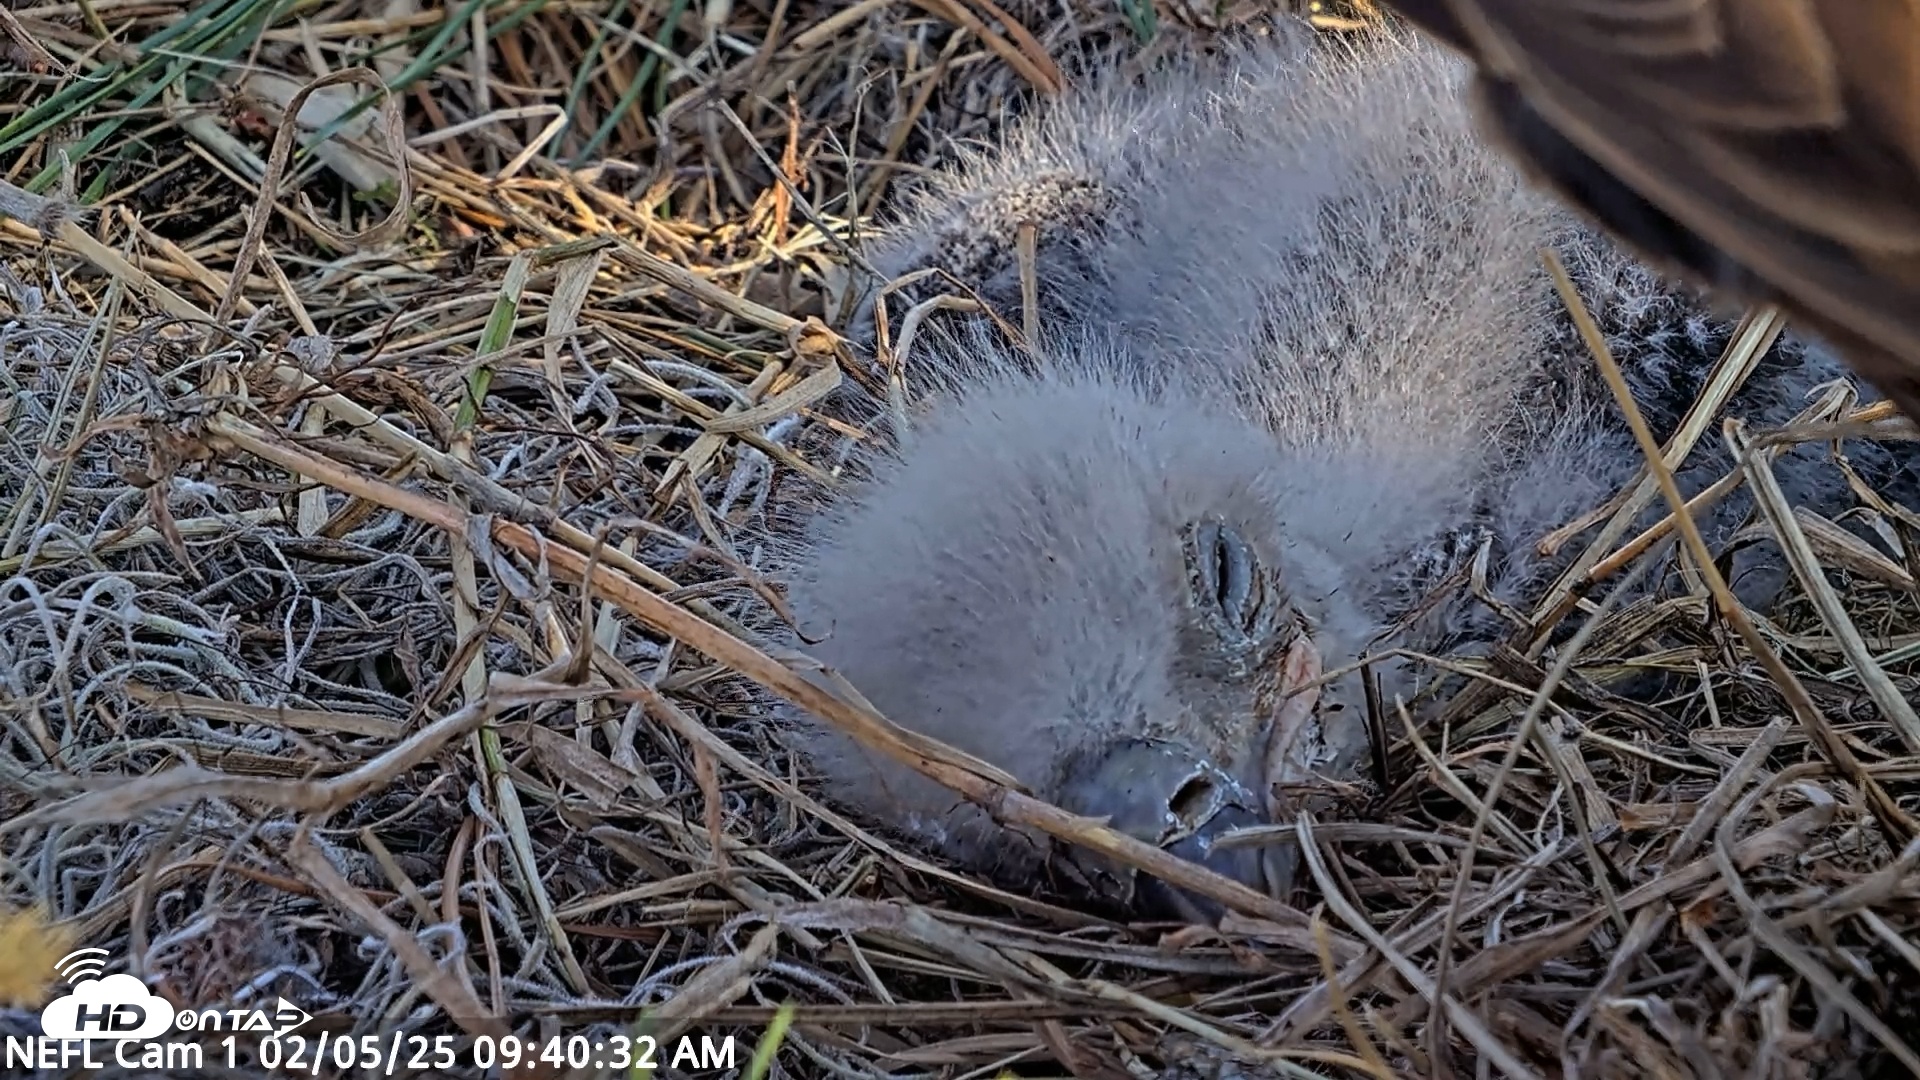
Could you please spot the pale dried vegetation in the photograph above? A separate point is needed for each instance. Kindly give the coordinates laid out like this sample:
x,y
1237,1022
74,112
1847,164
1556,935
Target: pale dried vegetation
x,y
304,694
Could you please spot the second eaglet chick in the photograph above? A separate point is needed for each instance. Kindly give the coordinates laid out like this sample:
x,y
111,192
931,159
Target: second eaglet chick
x,y
1299,362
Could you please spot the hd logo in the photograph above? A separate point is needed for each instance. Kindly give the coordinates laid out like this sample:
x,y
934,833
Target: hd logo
x,y
114,1007
120,1007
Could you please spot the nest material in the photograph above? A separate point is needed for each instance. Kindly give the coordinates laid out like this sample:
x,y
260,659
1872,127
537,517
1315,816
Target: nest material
x,y
304,697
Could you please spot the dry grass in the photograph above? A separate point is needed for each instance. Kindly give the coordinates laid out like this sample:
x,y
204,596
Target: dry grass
x,y
304,695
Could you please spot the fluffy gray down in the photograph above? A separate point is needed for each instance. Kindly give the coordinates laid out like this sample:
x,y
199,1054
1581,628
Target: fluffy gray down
x,y
1299,362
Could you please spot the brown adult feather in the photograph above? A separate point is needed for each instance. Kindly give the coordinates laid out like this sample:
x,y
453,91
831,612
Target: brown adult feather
x,y
1769,149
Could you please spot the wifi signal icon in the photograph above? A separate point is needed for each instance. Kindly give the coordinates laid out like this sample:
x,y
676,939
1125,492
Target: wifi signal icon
x,y
82,965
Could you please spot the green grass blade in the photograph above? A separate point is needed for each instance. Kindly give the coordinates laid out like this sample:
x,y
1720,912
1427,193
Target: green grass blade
x,y
640,83
776,1034
493,339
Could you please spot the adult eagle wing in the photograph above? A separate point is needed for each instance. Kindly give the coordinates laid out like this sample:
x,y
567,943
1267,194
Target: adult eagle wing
x,y
1766,148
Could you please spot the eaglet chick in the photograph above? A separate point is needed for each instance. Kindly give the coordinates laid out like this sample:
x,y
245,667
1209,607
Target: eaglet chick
x,y
1298,362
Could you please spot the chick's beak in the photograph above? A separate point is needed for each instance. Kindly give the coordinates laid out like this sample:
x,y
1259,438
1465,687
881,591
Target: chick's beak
x,y
1289,748
1165,795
